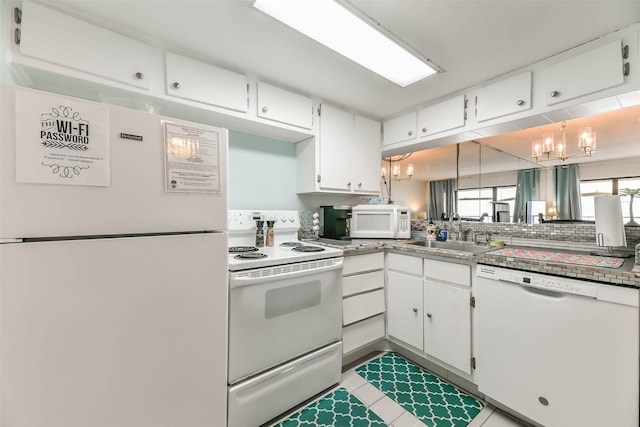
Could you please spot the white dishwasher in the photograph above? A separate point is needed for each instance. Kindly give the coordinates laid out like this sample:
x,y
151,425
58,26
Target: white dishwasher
x,y
562,352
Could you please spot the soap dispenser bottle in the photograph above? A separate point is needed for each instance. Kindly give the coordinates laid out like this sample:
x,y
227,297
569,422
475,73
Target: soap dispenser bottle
x,y
431,231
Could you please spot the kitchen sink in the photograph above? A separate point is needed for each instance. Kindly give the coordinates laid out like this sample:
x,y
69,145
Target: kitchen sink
x,y
453,245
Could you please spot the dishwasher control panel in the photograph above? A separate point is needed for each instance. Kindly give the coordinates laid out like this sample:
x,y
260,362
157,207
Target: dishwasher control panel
x,y
539,281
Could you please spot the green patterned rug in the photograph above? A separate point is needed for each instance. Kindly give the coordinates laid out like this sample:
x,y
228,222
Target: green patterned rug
x,y
338,408
433,401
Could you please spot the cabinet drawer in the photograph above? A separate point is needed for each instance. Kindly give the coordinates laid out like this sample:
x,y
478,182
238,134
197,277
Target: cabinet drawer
x,y
504,97
443,116
405,264
200,82
400,129
447,272
362,333
359,263
361,306
64,40
283,106
585,73
362,282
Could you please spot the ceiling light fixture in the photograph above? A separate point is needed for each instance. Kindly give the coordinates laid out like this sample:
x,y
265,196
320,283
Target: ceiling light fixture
x,y
340,29
549,149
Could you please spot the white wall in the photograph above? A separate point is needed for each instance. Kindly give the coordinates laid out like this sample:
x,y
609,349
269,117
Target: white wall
x,y
411,193
262,173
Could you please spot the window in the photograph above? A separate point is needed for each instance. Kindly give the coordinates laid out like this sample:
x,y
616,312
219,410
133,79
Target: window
x,y
590,189
629,184
475,202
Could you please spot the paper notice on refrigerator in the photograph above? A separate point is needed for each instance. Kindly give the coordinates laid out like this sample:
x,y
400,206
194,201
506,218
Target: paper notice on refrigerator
x,y
61,141
192,158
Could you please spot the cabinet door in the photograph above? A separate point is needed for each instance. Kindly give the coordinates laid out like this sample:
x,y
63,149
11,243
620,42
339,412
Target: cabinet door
x,y
336,128
598,69
200,82
443,116
366,157
60,39
400,129
447,327
504,97
283,106
404,308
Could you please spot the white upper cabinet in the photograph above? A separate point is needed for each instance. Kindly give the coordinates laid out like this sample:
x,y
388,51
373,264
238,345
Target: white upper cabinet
x,y
283,106
365,155
442,116
200,82
59,39
507,96
343,158
585,73
400,129
336,129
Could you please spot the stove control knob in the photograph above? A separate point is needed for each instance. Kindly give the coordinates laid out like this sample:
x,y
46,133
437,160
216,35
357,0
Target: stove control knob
x,y
283,219
292,219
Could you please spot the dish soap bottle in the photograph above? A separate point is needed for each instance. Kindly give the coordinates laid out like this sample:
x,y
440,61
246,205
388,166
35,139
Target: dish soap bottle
x,y
431,231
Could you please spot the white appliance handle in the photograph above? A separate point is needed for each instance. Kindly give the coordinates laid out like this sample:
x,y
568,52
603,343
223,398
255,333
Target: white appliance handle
x,y
269,274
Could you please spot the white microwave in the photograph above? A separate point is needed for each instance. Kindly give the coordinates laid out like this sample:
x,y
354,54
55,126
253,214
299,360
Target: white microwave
x,y
380,221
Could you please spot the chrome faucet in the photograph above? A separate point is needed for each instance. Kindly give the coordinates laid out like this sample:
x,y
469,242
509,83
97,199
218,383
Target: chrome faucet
x,y
452,217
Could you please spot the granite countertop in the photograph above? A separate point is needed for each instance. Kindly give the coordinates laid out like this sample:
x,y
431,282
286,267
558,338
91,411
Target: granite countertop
x,y
626,275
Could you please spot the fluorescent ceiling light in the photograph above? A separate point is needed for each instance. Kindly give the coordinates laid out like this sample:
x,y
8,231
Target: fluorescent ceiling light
x,y
334,26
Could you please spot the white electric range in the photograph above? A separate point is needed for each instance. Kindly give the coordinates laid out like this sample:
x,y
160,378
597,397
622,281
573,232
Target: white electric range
x,y
285,318
287,249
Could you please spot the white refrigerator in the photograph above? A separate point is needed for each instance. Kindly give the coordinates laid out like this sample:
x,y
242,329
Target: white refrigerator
x,y
113,286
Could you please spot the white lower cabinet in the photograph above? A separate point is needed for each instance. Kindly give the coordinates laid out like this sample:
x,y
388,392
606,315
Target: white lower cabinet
x,y
447,326
404,313
363,304
428,308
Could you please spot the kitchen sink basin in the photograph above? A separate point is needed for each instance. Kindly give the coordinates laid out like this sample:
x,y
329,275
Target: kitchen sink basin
x,y
453,245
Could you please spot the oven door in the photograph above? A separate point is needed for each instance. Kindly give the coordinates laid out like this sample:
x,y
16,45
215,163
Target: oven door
x,y
281,312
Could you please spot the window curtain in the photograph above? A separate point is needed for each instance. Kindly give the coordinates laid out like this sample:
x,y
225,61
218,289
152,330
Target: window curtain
x,y
527,188
566,179
441,198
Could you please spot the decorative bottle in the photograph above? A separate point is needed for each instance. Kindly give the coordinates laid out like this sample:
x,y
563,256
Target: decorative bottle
x,y
270,233
259,234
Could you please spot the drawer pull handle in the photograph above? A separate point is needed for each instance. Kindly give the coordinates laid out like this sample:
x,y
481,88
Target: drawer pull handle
x,y
265,109
429,315
554,94
520,102
176,85
415,310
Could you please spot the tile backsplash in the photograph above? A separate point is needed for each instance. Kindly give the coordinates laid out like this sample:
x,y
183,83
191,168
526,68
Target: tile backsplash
x,y
576,233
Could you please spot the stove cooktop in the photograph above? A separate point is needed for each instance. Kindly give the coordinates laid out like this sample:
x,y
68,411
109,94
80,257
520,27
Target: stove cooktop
x,y
286,248
278,254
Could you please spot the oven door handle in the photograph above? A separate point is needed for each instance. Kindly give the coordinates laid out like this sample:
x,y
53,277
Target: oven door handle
x,y
289,271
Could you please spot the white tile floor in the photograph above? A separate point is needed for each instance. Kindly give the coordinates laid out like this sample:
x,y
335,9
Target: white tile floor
x,y
394,415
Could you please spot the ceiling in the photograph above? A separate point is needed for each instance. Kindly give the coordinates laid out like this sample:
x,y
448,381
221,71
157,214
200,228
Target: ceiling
x,y
472,41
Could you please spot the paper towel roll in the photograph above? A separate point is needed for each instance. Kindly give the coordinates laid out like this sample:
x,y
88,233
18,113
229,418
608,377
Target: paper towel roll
x,y
609,223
